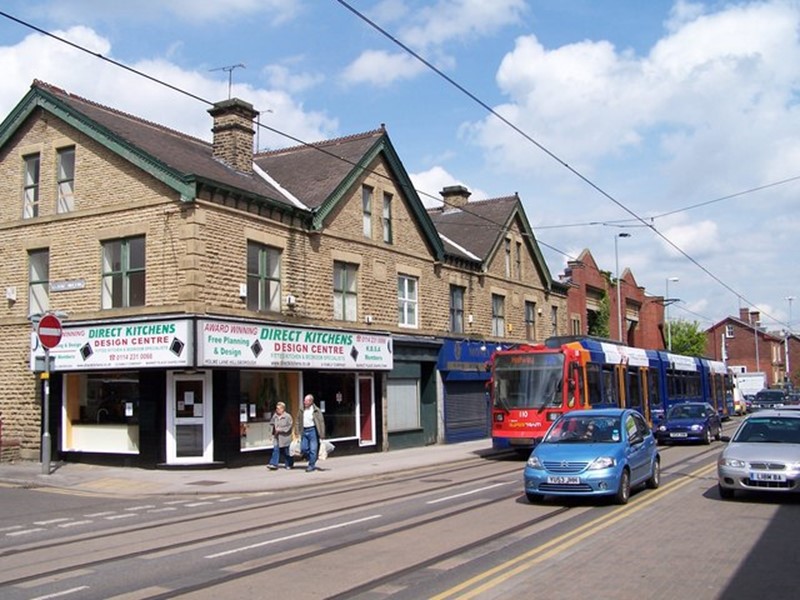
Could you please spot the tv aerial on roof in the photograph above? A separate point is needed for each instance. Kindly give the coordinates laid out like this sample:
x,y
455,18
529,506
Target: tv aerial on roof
x,y
229,70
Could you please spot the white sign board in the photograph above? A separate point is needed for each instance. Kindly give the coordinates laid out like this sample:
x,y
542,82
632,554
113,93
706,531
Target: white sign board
x,y
120,346
223,343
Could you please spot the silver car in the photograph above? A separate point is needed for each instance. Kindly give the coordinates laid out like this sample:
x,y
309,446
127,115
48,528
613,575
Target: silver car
x,y
763,455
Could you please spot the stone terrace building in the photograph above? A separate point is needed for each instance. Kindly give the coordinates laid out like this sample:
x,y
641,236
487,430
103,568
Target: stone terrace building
x,y
202,284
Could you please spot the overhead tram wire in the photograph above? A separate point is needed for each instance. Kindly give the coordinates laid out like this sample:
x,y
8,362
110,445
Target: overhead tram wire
x,y
283,134
541,147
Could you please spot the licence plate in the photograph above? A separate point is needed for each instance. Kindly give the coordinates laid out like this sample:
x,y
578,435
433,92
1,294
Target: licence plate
x,y
757,476
678,435
563,480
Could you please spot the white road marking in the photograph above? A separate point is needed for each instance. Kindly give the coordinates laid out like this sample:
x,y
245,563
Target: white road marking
x,y
469,493
76,523
50,522
25,531
294,536
64,593
115,517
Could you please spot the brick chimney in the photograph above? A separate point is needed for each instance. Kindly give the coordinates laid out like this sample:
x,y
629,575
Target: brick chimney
x,y
455,196
744,315
233,133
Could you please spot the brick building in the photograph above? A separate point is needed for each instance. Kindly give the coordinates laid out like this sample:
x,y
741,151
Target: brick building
x,y
747,347
593,291
203,283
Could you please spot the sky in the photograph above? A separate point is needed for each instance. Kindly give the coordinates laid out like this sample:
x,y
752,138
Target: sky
x,y
676,122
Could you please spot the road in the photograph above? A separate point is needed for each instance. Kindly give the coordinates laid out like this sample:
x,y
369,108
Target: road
x,y
456,531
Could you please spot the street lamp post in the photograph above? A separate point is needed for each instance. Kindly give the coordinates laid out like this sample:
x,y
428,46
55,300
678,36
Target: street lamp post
x,y
789,299
755,323
619,286
667,302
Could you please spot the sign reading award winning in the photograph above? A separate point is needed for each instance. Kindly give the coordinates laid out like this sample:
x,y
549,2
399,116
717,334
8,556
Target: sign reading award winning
x,y
121,346
221,343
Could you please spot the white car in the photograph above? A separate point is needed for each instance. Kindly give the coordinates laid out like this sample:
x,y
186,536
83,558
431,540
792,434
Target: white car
x,y
763,455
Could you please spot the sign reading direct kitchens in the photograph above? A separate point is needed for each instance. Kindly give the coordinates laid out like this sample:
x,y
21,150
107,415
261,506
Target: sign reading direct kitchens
x,y
222,343
120,346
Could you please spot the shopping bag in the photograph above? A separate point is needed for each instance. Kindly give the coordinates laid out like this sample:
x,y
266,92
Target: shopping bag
x,y
325,448
294,449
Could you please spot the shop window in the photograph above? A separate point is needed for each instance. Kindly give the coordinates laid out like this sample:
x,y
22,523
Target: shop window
x,y
30,192
345,291
403,404
263,278
65,178
258,395
102,412
123,273
38,281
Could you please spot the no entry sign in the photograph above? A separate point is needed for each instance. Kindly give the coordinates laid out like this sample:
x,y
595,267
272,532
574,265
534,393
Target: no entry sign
x,y
49,331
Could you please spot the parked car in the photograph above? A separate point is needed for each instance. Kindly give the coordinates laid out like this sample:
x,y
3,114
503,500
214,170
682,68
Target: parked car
x,y
690,422
598,452
762,455
769,399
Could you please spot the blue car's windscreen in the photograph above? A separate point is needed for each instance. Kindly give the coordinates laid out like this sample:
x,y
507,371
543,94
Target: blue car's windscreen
x,y
585,429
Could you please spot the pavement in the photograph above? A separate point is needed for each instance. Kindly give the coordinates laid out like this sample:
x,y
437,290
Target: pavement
x,y
132,481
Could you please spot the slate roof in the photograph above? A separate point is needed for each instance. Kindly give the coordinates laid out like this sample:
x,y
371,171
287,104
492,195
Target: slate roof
x,y
472,232
311,172
188,157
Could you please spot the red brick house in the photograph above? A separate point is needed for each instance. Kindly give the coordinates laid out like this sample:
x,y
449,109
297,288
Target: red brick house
x,y
590,288
750,348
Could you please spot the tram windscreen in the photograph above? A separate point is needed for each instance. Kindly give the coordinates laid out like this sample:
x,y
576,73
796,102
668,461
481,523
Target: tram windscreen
x,y
528,380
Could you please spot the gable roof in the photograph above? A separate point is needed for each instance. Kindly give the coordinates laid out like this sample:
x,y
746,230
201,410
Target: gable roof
x,y
475,232
310,179
323,172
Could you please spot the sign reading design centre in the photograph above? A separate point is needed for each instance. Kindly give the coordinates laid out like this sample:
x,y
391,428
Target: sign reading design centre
x,y
222,343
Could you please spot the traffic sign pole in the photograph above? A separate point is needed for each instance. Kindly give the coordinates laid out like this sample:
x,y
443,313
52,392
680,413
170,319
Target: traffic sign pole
x,y
49,331
46,445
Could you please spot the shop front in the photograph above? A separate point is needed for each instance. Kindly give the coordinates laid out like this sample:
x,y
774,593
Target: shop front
x,y
186,392
467,411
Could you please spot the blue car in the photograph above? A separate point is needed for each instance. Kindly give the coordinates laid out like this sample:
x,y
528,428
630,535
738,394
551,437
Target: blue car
x,y
690,422
597,452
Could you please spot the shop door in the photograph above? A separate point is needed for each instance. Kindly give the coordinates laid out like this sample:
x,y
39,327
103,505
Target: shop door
x,y
366,409
189,437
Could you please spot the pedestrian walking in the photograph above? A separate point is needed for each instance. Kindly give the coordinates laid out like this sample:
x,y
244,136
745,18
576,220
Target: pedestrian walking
x,y
281,438
310,426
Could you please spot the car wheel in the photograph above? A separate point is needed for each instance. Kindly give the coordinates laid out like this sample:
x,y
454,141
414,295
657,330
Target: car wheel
x,y
725,493
533,498
624,490
707,436
719,434
655,478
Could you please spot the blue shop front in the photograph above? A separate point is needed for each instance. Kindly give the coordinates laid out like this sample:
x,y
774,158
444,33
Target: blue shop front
x,y
463,366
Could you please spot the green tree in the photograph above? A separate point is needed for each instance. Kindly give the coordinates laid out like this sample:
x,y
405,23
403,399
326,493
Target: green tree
x,y
687,338
598,321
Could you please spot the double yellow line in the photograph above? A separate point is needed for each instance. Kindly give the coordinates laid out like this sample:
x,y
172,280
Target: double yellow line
x,y
503,572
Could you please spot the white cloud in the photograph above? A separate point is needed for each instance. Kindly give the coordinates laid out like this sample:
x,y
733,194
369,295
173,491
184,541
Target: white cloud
x,y
429,31
281,77
430,183
85,75
382,68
